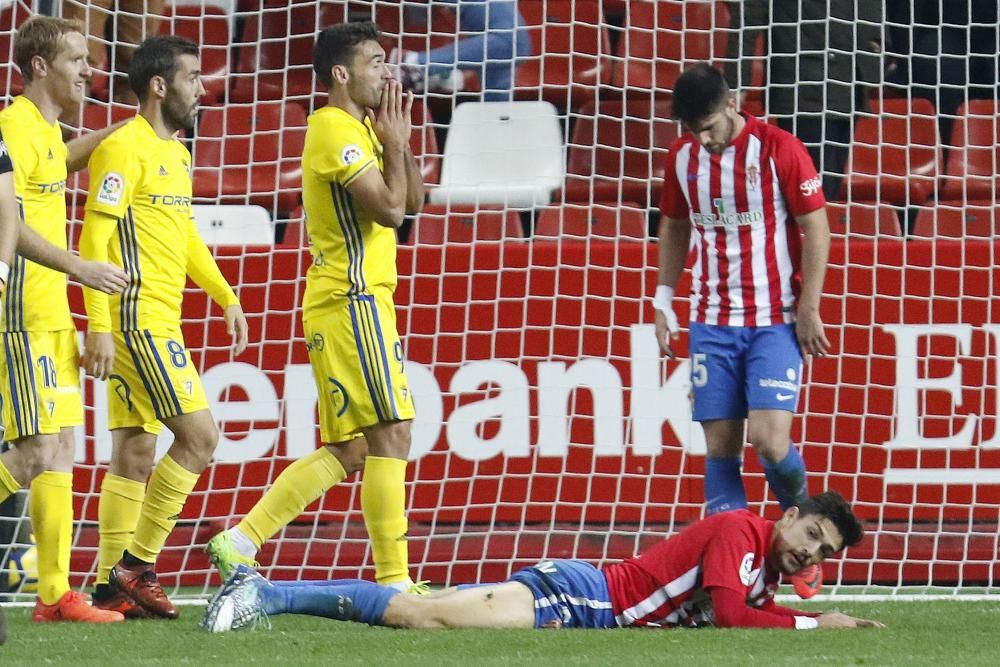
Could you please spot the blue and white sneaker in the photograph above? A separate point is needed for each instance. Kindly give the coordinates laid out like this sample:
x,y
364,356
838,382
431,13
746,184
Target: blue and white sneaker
x,y
238,603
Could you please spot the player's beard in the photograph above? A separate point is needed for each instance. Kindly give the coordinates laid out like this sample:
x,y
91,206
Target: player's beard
x,y
176,114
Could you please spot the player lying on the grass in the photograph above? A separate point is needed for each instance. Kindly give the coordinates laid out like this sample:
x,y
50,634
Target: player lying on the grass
x,y
720,571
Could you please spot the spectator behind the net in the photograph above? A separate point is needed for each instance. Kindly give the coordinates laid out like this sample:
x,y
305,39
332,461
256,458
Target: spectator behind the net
x,y
824,60
123,24
944,52
491,40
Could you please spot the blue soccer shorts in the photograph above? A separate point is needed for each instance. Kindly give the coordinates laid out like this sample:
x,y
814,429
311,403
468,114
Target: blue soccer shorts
x,y
568,594
736,369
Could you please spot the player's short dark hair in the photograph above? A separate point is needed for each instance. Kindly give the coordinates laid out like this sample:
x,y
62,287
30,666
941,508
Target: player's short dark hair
x,y
699,92
833,506
336,44
40,36
157,56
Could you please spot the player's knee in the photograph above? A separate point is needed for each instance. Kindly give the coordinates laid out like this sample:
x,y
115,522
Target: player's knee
x,y
351,454
35,456
769,448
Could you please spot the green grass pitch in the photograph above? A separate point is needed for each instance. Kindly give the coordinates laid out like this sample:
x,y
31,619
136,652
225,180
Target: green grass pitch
x,y
919,633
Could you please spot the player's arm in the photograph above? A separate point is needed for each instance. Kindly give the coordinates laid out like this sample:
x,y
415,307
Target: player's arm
x,y
99,345
205,273
384,195
97,275
672,252
9,222
815,252
80,149
415,190
731,611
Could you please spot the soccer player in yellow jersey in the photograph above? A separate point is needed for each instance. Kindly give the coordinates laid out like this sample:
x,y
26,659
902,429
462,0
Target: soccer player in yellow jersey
x,y
39,371
139,216
358,180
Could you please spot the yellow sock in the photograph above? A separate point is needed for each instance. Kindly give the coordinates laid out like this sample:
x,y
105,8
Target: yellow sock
x,y
50,503
298,485
383,504
8,485
169,487
117,515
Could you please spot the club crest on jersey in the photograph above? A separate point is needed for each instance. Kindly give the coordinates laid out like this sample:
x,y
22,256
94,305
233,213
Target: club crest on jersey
x,y
747,574
111,189
350,154
753,175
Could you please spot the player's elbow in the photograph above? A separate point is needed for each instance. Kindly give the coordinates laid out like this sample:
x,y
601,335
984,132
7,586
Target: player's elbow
x,y
392,218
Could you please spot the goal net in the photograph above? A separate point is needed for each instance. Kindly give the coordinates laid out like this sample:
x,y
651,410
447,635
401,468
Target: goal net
x,y
548,424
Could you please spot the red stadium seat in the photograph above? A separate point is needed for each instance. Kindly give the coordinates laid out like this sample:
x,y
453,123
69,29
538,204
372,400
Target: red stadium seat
x,y
568,40
295,235
958,219
626,222
661,38
860,219
974,160
617,151
895,155
438,225
209,28
423,143
11,17
250,155
276,50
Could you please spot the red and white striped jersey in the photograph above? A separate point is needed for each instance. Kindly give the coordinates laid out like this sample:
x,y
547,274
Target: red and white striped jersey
x,y
669,584
742,205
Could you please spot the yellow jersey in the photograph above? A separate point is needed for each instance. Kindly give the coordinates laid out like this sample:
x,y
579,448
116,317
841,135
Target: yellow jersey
x,y
352,254
142,186
36,296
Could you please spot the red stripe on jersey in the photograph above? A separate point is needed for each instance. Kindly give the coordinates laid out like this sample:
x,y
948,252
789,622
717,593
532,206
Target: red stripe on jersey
x,y
746,242
722,258
770,253
695,206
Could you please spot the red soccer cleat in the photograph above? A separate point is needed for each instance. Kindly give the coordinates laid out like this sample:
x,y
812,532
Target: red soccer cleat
x,y
139,583
808,581
123,604
73,606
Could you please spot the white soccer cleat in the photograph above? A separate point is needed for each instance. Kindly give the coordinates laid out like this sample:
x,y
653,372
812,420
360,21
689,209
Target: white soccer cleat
x,y
238,603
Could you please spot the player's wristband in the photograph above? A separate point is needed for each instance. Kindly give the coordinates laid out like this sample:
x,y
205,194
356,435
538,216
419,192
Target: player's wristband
x,y
663,297
4,272
806,623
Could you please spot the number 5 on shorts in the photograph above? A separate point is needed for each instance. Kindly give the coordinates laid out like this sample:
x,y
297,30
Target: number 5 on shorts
x,y
699,371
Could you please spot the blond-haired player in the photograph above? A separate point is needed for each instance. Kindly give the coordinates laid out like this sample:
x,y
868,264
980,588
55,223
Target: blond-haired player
x,y
39,373
139,215
358,180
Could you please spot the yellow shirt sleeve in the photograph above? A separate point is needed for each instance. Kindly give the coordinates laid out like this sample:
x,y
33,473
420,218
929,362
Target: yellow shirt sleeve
x,y
115,172
98,229
347,154
205,272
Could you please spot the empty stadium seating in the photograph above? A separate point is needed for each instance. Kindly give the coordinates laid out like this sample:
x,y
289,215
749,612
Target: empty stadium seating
x,y
958,219
626,222
863,219
437,225
11,16
895,154
209,28
245,154
617,151
974,160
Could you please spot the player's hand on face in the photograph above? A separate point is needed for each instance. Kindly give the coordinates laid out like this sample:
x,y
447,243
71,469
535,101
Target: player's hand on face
x,y
237,328
102,276
812,337
392,120
99,354
666,331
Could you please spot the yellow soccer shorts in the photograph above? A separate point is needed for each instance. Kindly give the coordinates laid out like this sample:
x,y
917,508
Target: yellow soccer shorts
x,y
153,380
357,361
40,380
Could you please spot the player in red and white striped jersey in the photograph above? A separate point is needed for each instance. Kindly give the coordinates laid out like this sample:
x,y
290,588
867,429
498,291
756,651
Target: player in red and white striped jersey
x,y
721,571
745,198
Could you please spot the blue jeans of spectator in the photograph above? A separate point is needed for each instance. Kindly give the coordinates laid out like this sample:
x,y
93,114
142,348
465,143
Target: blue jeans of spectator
x,y
493,54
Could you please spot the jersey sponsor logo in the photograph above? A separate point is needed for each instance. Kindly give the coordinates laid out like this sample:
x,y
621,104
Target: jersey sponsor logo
x,y
723,219
746,569
179,201
52,188
771,383
111,190
811,187
351,154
